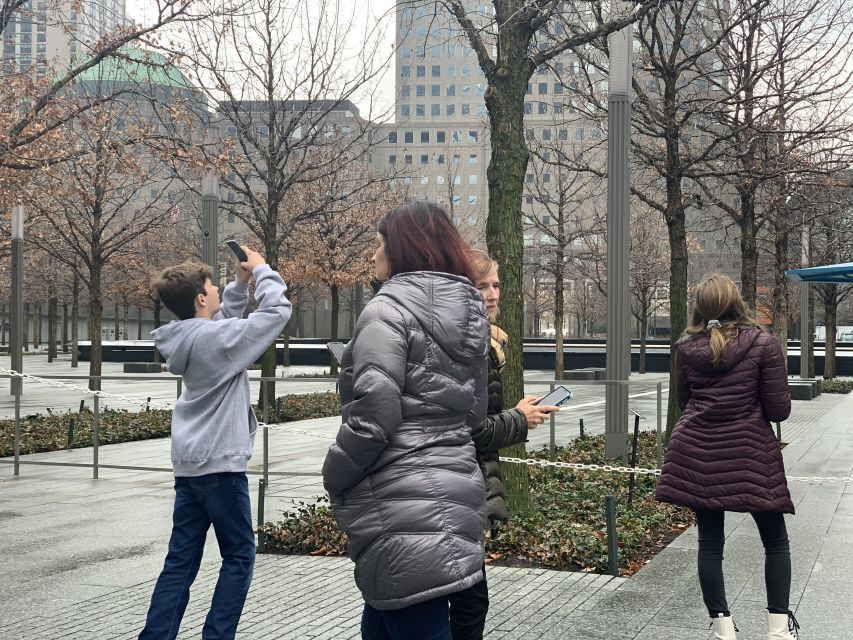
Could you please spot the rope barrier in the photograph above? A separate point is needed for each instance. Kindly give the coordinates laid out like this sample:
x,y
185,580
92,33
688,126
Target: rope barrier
x,y
530,462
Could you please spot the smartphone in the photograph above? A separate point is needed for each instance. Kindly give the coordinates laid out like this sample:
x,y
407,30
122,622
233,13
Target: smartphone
x,y
336,349
237,250
556,398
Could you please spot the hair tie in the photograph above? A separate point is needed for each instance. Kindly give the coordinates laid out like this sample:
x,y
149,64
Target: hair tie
x,y
713,323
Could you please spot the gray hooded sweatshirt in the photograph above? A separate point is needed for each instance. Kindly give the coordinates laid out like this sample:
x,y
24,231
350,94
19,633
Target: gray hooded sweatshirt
x,y
213,425
403,475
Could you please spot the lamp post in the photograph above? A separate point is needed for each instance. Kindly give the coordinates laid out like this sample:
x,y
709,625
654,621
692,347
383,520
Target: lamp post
x,y
804,307
618,241
209,211
16,344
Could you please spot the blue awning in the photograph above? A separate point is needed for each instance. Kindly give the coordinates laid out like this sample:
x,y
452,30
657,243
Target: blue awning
x,y
840,273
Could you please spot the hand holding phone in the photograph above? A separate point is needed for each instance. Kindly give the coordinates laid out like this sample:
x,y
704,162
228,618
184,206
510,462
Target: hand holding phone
x,y
556,398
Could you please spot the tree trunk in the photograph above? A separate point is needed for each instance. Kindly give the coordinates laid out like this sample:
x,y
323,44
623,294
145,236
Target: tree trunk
x,y
139,323
268,361
780,286
64,326
748,249
677,302
26,328
505,176
75,318
158,307
38,319
830,310
336,303
285,336
558,320
96,316
3,323
51,328
644,330
116,326
125,334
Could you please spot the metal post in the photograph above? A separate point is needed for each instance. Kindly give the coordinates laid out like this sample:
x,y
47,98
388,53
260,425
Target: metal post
x,y
266,454
612,547
582,434
659,437
804,308
95,436
779,431
618,243
262,485
16,343
16,319
553,436
265,395
632,480
209,210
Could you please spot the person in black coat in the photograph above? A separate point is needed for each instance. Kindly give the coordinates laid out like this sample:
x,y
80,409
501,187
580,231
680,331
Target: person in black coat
x,y
501,428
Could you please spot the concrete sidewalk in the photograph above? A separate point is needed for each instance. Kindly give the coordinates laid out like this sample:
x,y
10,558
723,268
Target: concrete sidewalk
x,y
80,555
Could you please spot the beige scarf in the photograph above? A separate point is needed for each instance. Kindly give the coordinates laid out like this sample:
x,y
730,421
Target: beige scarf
x,y
499,338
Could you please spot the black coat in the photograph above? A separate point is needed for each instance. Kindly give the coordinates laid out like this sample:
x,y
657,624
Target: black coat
x,y
500,429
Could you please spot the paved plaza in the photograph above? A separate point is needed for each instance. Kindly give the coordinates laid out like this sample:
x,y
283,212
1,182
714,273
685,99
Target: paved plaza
x,y
80,555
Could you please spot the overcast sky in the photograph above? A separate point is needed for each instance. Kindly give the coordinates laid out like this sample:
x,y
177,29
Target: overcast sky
x,y
143,10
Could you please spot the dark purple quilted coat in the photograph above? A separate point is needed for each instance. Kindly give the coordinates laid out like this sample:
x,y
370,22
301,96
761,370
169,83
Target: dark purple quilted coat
x,y
723,454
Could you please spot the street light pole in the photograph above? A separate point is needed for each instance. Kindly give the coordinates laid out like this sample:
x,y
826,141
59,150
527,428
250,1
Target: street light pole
x,y
804,307
17,343
618,241
209,210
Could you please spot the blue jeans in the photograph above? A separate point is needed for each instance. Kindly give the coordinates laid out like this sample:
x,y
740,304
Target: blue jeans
x,y
428,620
220,499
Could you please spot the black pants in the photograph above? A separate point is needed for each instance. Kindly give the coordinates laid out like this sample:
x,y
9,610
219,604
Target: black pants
x,y
468,611
777,560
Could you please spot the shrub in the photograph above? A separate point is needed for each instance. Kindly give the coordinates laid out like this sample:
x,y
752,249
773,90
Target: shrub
x,y
303,406
567,530
836,385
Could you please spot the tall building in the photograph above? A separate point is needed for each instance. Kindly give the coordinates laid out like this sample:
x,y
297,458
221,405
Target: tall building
x,y
44,34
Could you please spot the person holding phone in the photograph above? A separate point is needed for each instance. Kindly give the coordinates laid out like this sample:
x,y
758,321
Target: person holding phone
x,y
501,428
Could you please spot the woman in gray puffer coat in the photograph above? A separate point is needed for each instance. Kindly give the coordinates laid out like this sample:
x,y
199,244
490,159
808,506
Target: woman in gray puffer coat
x,y
402,475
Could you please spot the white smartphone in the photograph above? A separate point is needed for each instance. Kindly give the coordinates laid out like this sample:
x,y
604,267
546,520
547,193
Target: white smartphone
x,y
556,398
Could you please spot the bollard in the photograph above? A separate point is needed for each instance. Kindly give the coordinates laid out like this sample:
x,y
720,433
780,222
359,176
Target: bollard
x,y
261,491
82,404
612,548
631,478
70,432
582,435
95,437
148,404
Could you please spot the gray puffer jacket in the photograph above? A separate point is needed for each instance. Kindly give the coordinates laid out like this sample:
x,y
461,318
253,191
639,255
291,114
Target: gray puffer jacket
x,y
402,475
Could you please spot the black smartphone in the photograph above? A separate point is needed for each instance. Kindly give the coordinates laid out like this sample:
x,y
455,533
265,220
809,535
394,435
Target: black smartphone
x,y
556,398
336,349
237,250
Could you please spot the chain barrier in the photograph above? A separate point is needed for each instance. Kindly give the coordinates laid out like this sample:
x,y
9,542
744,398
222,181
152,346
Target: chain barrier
x,y
530,462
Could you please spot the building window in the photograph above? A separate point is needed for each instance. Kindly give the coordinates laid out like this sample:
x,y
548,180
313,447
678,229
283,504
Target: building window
x,y
564,134
558,88
466,89
466,70
439,137
408,137
481,109
436,70
457,200
530,134
450,109
420,110
579,133
457,137
528,199
451,50
529,178
392,159
424,180
543,108
435,90
424,158
451,90
546,178
440,159
405,110
472,136
472,200
546,220
529,89
421,71
466,109
408,159
405,91
424,137
406,52
392,137
420,90
528,108
546,134
457,179
472,179
405,71
543,88
472,158
435,110
451,71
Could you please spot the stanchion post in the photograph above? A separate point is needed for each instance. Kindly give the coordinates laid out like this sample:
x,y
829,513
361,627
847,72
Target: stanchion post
x,y
659,437
16,344
632,479
261,493
612,547
266,454
779,431
582,434
552,444
17,443
265,395
95,436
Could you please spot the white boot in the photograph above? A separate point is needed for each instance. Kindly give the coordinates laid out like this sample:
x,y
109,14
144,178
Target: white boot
x,y
724,628
782,626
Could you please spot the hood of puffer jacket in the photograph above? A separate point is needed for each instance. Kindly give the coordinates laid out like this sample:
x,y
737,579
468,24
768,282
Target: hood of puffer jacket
x,y
448,308
696,350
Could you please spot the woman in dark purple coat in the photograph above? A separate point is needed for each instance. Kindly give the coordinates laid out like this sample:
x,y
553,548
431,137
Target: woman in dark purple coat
x,y
723,455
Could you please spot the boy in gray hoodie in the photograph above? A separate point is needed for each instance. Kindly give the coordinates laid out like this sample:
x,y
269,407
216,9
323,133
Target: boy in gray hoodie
x,y
213,433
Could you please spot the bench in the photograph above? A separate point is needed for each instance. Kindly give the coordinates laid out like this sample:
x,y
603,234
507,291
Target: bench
x,y
143,367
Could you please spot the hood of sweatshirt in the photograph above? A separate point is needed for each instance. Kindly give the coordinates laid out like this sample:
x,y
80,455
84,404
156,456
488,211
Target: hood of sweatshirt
x,y
175,341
